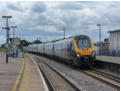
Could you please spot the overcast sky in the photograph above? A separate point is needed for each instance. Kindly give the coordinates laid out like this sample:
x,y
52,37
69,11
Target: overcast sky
x,y
45,20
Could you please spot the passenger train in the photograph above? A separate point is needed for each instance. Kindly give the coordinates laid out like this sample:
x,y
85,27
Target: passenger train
x,y
77,50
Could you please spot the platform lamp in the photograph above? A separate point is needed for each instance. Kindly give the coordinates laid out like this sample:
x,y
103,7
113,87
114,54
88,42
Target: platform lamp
x,y
7,35
13,38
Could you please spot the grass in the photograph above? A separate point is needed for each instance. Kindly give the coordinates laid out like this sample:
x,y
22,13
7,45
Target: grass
x,y
27,54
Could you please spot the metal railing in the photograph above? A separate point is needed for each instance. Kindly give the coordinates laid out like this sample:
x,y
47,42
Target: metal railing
x,y
108,52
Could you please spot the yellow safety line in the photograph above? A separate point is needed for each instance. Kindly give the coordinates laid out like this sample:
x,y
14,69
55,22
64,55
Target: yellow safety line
x,y
18,78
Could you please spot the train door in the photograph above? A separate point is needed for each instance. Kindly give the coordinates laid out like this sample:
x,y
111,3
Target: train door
x,y
69,46
71,50
68,50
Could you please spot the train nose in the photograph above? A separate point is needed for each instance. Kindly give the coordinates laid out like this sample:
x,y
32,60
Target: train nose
x,y
86,52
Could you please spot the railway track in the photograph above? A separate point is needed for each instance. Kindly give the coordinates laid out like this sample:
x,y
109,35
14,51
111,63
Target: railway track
x,y
112,77
101,76
55,81
104,77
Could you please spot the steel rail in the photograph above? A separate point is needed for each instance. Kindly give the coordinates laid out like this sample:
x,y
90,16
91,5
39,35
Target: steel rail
x,y
103,78
112,77
90,73
74,86
49,84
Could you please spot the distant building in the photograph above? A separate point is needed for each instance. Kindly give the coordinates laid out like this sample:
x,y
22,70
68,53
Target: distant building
x,y
36,42
114,40
15,40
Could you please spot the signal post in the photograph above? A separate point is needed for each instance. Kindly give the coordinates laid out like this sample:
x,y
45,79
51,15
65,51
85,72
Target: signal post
x,y
7,36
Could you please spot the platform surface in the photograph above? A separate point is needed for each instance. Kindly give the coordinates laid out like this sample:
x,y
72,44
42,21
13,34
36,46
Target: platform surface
x,y
110,59
9,72
20,74
32,81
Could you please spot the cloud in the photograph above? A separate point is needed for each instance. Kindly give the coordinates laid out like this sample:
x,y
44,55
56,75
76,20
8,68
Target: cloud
x,y
38,7
70,6
47,19
15,6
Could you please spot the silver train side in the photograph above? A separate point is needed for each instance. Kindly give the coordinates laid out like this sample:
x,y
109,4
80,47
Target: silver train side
x,y
66,50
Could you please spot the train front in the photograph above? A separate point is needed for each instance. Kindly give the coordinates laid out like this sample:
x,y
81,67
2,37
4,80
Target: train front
x,y
85,51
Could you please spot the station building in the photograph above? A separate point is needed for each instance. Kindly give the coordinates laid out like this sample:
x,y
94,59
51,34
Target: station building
x,y
114,42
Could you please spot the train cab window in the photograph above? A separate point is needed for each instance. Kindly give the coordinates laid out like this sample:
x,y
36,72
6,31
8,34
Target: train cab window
x,y
83,43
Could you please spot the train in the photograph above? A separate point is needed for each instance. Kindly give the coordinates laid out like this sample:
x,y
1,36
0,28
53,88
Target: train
x,y
76,50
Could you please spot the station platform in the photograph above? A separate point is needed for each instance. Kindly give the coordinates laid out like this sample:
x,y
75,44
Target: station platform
x,y
20,74
109,59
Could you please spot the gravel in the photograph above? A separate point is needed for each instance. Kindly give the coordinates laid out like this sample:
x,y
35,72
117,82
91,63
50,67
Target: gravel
x,y
86,83
58,82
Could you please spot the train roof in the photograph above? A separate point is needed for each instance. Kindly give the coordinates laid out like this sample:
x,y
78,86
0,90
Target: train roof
x,y
81,36
75,37
59,39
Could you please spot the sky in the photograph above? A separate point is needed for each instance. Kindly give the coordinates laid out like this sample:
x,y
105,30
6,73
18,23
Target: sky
x,y
45,20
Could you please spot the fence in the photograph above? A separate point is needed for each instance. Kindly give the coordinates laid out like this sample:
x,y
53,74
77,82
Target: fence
x,y
109,52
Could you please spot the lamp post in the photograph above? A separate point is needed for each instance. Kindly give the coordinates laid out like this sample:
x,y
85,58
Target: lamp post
x,y
7,35
13,39
99,38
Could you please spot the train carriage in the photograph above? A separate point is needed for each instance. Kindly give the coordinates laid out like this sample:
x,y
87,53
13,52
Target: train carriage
x,y
48,48
78,50
40,48
61,47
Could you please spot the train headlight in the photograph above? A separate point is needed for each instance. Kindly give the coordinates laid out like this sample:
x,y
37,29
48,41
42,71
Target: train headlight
x,y
93,53
78,54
